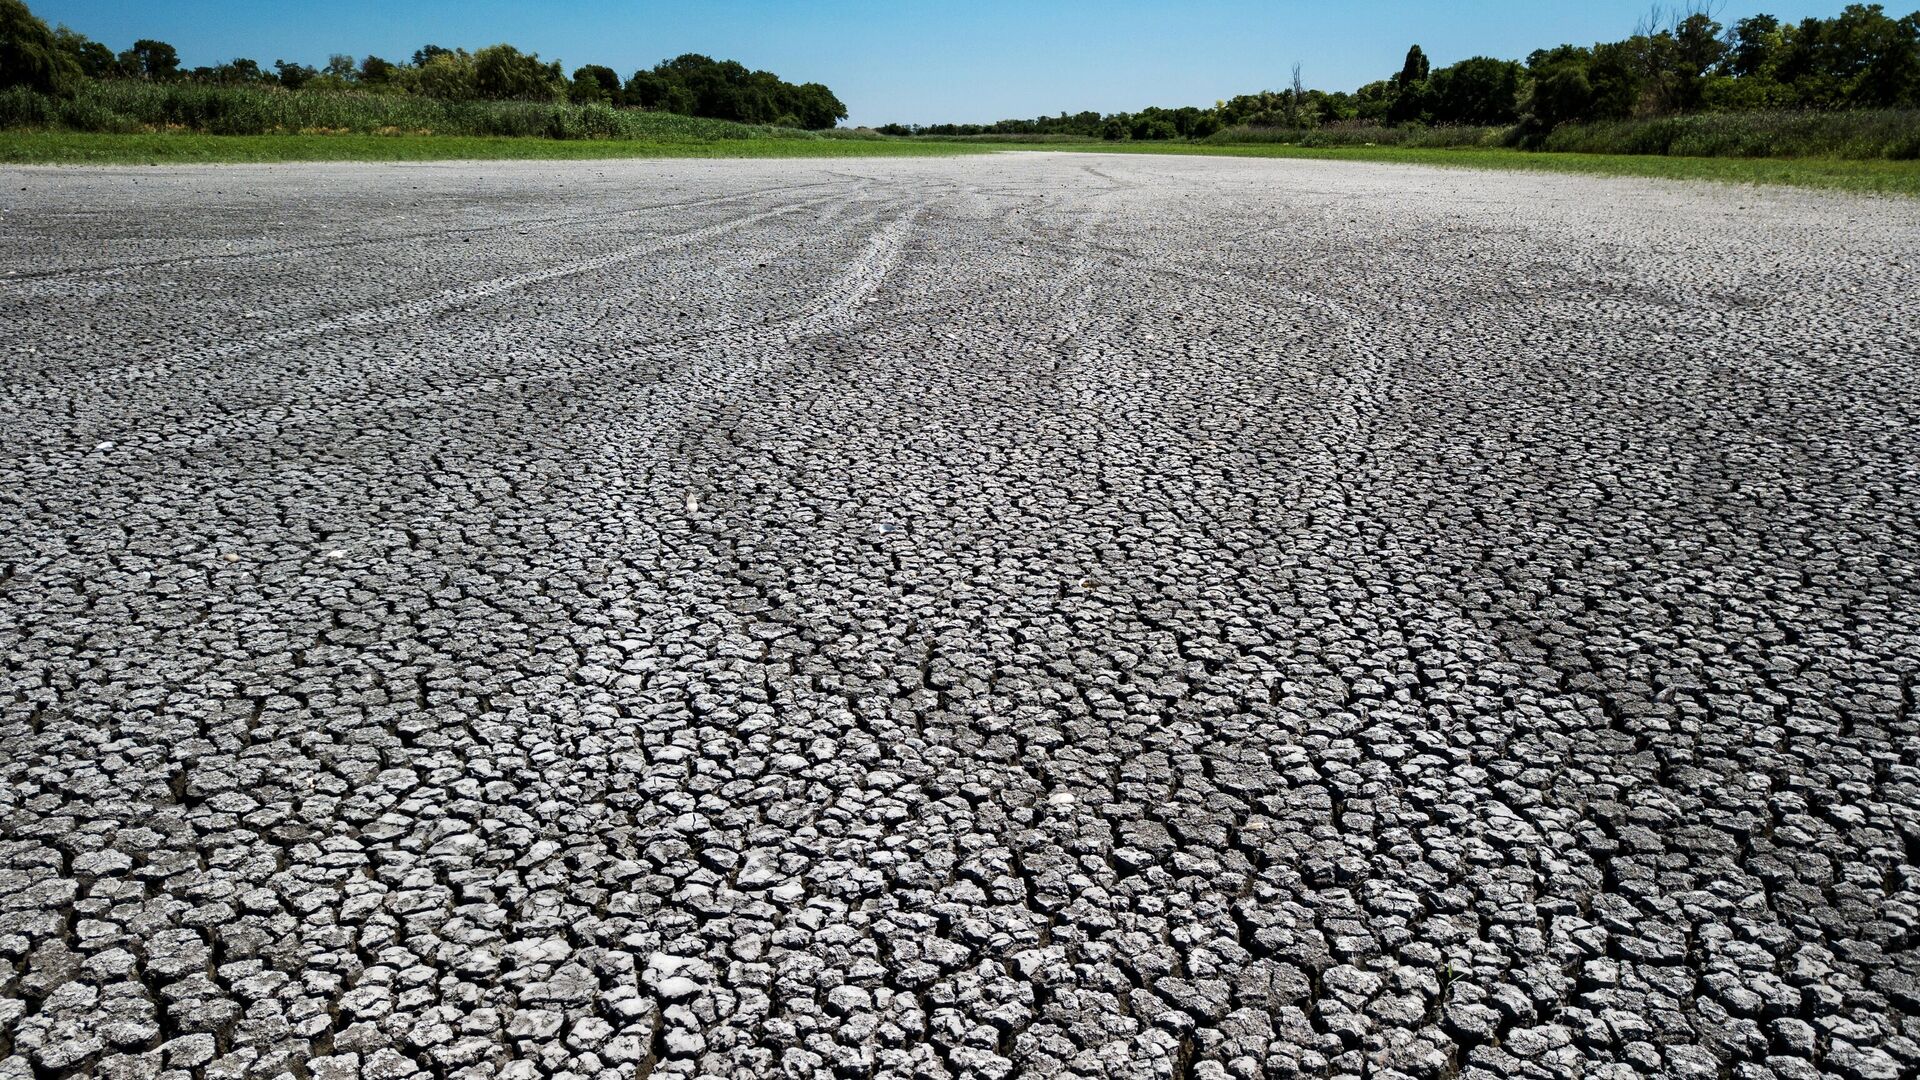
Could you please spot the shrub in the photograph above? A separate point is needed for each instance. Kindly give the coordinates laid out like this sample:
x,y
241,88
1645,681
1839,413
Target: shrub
x,y
130,105
1858,134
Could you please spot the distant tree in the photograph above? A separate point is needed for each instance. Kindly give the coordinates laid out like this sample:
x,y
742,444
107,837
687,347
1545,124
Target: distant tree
x,y
1698,46
89,57
818,107
425,53
293,76
595,83
1862,58
1414,70
504,73
714,87
342,67
645,90
29,53
1152,125
697,85
447,74
149,59
239,71
1480,90
1558,90
1753,47
376,72
1373,101
1409,102
1615,79
1701,42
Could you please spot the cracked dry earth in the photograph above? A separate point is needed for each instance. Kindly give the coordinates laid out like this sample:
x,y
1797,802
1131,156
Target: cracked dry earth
x,y
1034,615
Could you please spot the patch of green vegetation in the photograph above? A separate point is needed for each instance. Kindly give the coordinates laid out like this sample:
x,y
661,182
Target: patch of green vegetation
x,y
1871,177
128,106
91,148
70,148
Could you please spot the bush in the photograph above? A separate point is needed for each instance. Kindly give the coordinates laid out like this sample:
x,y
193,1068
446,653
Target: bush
x,y
1861,134
129,105
1857,135
1451,135
504,73
22,106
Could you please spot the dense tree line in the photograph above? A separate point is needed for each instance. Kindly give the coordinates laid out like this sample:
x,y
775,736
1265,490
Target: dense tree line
x,y
49,60
1860,58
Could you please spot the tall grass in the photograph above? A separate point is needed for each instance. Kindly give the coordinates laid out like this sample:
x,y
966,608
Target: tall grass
x,y
1863,134
1360,135
126,106
1015,138
1857,135
129,107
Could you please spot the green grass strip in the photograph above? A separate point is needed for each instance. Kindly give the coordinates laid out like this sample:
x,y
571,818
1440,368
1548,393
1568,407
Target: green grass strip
x,y
89,148
1869,177
76,148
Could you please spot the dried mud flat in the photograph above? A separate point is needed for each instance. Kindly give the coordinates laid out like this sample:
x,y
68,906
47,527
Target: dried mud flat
x,y
1038,615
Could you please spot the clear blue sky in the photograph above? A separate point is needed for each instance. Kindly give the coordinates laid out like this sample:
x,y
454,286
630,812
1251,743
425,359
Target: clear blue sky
x,y
915,61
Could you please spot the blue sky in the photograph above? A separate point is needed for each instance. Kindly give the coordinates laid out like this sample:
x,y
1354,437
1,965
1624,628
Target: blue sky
x,y
924,61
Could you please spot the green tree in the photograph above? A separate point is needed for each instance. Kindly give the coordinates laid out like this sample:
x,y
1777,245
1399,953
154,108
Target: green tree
x,y
89,57
447,74
1480,90
504,73
150,59
1373,101
29,56
1872,58
1753,49
696,85
1615,78
818,107
1414,70
1561,96
1558,90
293,76
1409,103
239,71
1748,75
1860,58
375,71
1698,47
646,90
595,83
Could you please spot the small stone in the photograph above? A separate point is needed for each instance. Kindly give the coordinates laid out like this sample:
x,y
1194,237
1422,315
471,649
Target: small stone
x,y
189,1051
677,987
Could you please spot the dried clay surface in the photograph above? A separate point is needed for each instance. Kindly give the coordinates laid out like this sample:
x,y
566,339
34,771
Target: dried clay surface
x,y
1036,615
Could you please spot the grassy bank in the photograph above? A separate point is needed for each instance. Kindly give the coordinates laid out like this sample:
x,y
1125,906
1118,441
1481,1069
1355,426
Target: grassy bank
x,y
87,148
127,106
55,147
1880,177
133,122
1864,134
